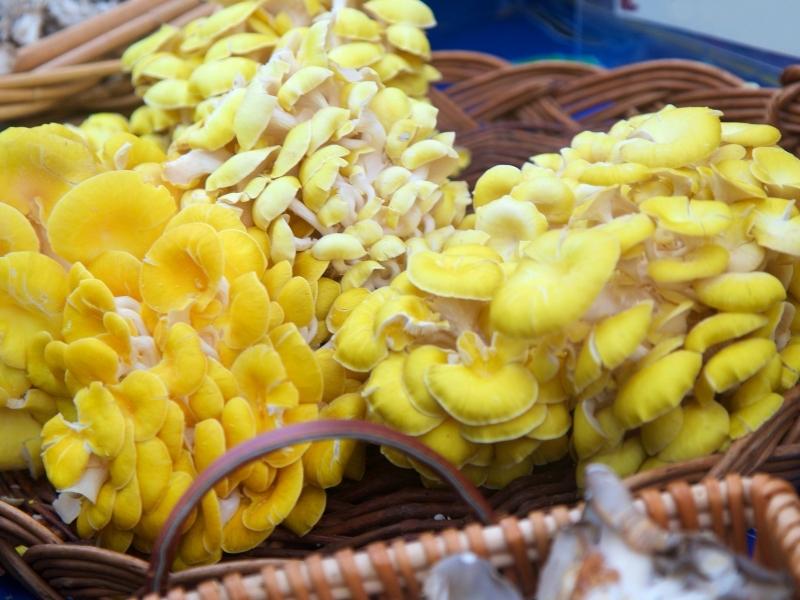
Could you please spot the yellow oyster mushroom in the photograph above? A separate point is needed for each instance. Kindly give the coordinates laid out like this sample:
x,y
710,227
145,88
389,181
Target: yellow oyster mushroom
x,y
300,83
20,432
218,76
640,399
301,365
87,360
605,174
778,169
616,338
357,347
16,232
749,134
508,454
33,290
556,423
447,441
741,292
116,210
453,275
65,453
483,388
388,399
624,460
183,267
551,195
776,225
262,380
154,42
308,511
275,200
681,215
732,181
594,429
410,39
247,317
512,429
629,230
338,246
127,151
157,66
218,216
143,398
659,433
270,509
556,285
720,328
170,94
737,362
237,168
217,129
499,477
153,520
351,23
673,138
417,363
700,263
765,381
243,254
40,165
704,429
200,34
412,12
495,183
749,418
183,362
325,461
102,421
508,222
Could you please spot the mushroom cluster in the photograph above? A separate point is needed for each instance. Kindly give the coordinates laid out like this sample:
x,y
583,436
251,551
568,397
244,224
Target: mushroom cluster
x,y
335,167
631,300
180,71
140,341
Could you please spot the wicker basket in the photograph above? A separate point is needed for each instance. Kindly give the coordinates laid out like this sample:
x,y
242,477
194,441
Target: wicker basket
x,y
501,113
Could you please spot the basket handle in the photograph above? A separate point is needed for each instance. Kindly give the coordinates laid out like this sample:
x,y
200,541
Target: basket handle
x,y
165,545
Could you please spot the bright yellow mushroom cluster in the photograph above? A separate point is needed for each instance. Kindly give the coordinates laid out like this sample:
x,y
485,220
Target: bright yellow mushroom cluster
x,y
140,341
631,300
181,72
311,146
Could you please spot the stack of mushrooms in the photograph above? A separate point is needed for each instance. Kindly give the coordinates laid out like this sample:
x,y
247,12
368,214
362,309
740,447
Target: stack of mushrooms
x,y
278,235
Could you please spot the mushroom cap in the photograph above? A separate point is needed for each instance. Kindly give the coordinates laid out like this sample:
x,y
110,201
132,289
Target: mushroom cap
x,y
705,428
616,338
722,327
679,214
40,165
629,230
660,432
416,365
508,222
556,423
776,225
736,362
749,418
594,430
496,182
16,232
446,439
624,460
556,285
749,134
387,398
33,290
701,262
778,169
307,511
481,391
117,210
741,292
454,275
183,267
673,138
656,388
143,397
19,429
412,12
507,430
357,346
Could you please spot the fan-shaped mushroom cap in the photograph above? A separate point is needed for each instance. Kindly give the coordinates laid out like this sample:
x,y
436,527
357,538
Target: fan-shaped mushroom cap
x,y
269,510
183,362
778,169
388,398
705,428
593,431
737,362
702,262
656,388
495,183
556,285
18,430
673,138
508,222
507,430
625,460
33,290
357,347
660,432
749,418
776,225
555,424
40,165
679,214
484,388
116,210
307,511
183,267
16,232
722,327
749,134
416,365
454,275
412,12
741,292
